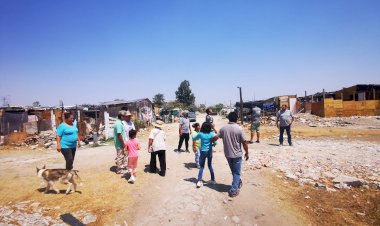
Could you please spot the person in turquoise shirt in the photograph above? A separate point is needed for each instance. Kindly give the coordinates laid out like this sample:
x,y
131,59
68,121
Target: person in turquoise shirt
x,y
205,135
67,139
119,141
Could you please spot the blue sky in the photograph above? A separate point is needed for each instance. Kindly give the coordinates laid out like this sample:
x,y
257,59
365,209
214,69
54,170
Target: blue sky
x,y
93,51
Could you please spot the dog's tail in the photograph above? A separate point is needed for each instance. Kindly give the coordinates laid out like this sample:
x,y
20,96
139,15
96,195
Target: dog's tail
x,y
75,172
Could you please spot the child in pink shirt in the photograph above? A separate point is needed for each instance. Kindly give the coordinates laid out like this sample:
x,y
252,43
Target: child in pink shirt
x,y
133,147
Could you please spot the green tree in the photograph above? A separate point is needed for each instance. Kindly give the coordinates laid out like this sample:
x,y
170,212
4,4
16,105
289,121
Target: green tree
x,y
217,107
193,108
184,94
36,104
159,99
173,104
202,108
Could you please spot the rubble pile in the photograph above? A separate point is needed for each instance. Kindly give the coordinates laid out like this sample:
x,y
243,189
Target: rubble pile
x,y
44,139
310,120
316,121
325,164
32,213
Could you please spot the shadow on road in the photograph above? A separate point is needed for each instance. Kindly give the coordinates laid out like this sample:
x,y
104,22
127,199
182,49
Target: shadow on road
x,y
217,187
113,169
190,165
42,190
71,220
274,145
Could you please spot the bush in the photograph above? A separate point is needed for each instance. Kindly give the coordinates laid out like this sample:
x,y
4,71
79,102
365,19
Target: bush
x,y
139,124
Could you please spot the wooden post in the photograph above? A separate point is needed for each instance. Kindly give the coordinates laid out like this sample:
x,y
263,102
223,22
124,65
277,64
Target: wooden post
x,y
324,94
374,94
241,107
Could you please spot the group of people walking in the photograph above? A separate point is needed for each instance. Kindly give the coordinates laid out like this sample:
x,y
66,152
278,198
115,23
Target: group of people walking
x,y
233,139
127,146
204,138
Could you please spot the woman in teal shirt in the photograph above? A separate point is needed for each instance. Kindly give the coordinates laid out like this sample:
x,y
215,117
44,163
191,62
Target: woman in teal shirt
x,y
205,135
67,139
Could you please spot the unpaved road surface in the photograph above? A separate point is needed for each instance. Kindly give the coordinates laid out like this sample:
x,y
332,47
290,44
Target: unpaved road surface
x,y
152,200
107,199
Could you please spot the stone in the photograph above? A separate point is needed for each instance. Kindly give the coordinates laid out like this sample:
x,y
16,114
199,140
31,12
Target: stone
x,y
320,185
48,144
328,175
291,176
89,218
330,189
235,219
348,180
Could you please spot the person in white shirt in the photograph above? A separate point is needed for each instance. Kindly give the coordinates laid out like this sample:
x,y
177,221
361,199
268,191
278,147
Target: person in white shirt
x,y
156,146
128,124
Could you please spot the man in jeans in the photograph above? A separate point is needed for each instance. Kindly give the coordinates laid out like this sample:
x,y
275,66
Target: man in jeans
x,y
285,118
233,138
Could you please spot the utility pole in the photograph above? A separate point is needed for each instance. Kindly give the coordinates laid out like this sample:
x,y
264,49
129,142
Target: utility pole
x,y
241,106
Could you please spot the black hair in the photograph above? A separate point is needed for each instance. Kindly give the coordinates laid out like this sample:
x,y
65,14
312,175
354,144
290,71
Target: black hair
x,y
232,117
67,115
206,127
208,110
195,125
132,133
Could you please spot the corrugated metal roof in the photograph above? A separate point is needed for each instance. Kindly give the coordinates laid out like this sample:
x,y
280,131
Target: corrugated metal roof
x,y
116,102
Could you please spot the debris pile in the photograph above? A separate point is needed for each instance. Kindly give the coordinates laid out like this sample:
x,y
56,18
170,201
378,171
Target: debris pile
x,y
44,139
316,121
32,213
325,164
310,120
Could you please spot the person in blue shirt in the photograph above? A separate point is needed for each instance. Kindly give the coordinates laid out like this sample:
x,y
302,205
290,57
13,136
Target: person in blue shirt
x,y
205,135
67,139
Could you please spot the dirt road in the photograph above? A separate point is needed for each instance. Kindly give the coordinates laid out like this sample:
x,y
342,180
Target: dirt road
x,y
175,200
152,200
267,197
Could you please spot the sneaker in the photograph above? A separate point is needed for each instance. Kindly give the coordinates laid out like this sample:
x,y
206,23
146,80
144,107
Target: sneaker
x,y
281,145
211,182
199,184
233,194
240,184
290,144
132,180
258,141
250,142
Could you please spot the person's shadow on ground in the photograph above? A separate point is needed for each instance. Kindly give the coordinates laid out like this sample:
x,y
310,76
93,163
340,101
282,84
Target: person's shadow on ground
x,y
179,150
274,144
217,187
113,169
71,220
190,165
147,169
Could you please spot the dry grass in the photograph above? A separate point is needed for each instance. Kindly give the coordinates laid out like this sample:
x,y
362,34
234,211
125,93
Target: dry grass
x,y
333,132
